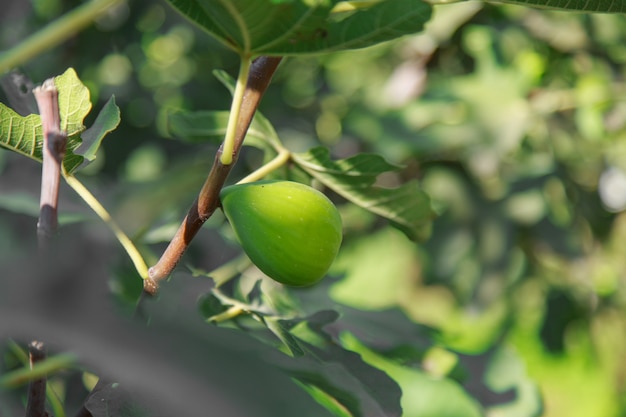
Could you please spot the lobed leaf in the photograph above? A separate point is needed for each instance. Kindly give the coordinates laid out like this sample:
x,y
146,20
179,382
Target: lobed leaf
x,y
330,373
407,206
270,27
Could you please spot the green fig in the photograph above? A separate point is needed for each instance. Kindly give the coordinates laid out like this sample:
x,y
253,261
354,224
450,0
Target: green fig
x,y
289,230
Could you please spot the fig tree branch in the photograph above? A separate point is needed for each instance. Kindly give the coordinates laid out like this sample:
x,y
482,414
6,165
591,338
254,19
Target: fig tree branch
x,y
260,75
53,150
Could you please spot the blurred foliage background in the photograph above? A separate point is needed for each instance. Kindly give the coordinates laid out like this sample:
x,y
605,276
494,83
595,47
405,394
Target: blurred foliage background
x,y
513,119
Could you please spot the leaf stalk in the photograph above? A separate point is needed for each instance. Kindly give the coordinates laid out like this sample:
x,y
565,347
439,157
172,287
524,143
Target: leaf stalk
x,y
125,241
279,160
240,88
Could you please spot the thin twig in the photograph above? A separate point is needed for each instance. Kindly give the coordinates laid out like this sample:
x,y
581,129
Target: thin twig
x,y
261,73
36,406
53,150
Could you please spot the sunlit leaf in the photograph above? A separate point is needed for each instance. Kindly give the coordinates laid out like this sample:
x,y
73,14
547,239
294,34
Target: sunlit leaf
x,y
21,134
268,27
406,206
74,102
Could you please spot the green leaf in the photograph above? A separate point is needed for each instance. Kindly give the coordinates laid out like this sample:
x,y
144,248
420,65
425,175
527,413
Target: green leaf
x,y
268,27
108,119
24,135
598,6
213,305
329,372
407,206
74,102
21,134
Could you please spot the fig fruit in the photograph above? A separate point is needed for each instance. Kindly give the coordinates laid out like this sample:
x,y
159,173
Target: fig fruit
x,y
289,230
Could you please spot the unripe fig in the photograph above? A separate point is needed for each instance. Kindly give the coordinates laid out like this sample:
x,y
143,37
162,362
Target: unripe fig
x,y
290,231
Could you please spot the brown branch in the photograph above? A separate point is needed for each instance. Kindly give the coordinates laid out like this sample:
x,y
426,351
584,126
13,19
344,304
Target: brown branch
x,y
36,406
260,76
53,150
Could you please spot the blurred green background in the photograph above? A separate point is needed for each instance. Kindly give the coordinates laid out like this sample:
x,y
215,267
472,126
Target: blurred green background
x,y
513,119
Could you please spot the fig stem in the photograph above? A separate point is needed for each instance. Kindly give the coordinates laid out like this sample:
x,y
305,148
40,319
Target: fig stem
x,y
279,160
260,75
240,88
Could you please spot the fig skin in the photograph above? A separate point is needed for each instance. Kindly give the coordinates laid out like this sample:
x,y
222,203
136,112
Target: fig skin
x,y
289,230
